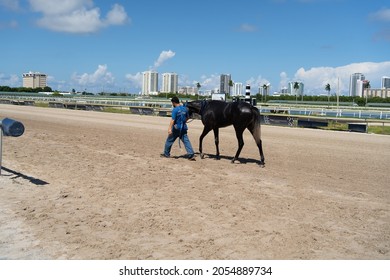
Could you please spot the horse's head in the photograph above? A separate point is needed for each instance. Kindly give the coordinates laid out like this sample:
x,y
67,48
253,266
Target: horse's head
x,y
195,107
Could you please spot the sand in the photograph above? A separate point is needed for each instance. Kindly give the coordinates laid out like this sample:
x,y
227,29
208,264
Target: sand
x,y
91,185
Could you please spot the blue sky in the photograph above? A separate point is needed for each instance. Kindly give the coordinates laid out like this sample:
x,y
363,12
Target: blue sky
x,y
105,45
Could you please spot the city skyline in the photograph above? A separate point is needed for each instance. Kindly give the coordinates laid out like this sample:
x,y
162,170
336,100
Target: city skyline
x,y
97,45
169,84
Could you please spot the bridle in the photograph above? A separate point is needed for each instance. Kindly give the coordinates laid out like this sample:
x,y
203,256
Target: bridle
x,y
203,104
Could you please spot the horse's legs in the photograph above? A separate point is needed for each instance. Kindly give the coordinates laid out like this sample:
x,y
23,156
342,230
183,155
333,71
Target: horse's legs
x,y
256,135
240,140
216,140
204,133
260,146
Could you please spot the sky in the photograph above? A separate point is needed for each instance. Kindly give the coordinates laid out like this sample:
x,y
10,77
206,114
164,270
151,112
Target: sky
x,y
105,45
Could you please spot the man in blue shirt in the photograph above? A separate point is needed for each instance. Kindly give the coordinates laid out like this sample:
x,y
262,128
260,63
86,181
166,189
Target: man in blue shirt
x,y
178,129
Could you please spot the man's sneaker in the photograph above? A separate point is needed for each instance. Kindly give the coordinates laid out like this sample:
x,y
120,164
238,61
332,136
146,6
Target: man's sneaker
x,y
191,157
164,156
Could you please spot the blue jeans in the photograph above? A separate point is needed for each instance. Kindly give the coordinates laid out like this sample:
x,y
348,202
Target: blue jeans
x,y
183,137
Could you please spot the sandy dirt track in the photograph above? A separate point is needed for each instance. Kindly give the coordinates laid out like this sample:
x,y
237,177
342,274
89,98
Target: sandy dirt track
x,y
91,185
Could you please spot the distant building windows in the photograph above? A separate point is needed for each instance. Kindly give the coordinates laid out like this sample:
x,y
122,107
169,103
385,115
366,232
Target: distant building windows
x,y
34,80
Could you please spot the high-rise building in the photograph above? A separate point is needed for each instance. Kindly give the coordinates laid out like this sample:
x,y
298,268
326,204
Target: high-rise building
x,y
377,92
169,83
296,91
34,80
385,82
188,90
264,89
237,89
359,88
150,83
355,88
284,90
224,83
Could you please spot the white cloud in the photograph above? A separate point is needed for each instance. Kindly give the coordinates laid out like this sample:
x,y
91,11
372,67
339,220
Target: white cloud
x,y
316,78
164,56
255,83
210,82
383,34
245,27
185,80
381,15
283,80
79,21
100,78
76,16
10,80
9,24
135,80
60,85
116,16
59,7
10,4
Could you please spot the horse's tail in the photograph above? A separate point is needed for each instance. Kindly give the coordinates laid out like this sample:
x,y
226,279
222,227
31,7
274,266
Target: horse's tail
x,y
256,124
257,132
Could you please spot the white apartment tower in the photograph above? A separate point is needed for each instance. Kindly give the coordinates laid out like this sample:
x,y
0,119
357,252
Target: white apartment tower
x,y
34,80
224,83
169,83
265,88
355,88
150,83
299,91
237,89
385,82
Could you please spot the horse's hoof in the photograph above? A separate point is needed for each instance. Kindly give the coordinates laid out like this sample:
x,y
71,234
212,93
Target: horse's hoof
x,y
201,156
262,164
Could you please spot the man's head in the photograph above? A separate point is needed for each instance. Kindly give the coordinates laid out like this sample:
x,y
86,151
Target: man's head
x,y
175,100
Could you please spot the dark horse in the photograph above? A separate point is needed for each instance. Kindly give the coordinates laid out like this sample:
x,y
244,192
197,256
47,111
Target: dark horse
x,y
216,114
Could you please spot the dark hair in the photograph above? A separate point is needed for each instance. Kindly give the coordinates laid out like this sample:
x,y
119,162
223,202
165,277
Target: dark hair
x,y
175,100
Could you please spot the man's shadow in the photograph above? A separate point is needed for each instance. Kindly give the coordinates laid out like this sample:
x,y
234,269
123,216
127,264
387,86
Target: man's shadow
x,y
33,180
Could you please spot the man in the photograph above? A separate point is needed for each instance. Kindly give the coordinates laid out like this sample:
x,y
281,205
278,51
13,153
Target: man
x,y
178,129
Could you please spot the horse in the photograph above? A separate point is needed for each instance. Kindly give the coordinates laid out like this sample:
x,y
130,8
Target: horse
x,y
216,114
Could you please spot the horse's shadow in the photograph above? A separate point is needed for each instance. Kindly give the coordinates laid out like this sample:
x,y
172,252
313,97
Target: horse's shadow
x,y
32,180
241,160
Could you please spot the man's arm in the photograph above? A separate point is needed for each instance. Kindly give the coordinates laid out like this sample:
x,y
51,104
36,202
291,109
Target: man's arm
x,y
171,126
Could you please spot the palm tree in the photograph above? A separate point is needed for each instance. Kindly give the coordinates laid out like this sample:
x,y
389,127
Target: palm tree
x,y
327,88
366,86
231,84
198,86
296,87
264,92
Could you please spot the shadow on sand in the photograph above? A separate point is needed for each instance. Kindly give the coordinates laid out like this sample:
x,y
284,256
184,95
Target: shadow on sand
x,y
33,180
240,160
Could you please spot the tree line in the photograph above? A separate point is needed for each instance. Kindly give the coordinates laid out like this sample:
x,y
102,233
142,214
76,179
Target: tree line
x,y
25,89
332,99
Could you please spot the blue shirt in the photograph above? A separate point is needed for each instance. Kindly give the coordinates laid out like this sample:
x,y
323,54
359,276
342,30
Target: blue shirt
x,y
180,116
